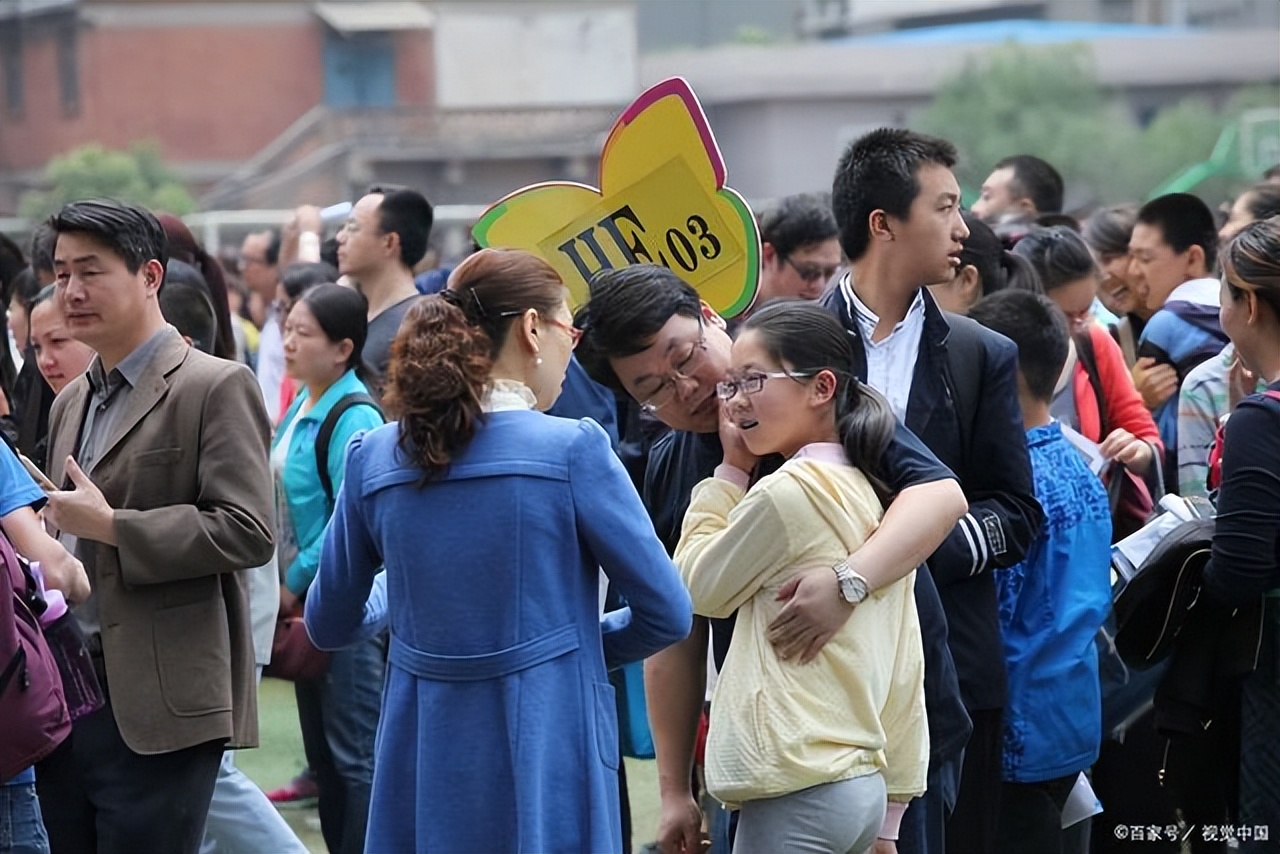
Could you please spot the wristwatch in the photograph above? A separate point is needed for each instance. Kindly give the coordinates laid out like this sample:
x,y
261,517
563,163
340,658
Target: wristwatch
x,y
853,587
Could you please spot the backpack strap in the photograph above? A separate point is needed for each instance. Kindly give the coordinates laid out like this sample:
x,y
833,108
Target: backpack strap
x,y
325,436
1089,361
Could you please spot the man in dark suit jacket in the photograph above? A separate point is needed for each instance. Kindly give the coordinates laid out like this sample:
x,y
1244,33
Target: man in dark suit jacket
x,y
898,208
162,454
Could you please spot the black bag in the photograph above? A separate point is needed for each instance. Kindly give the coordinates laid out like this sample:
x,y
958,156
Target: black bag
x,y
1152,608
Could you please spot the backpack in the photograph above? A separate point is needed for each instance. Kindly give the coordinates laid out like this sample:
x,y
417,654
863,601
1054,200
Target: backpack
x,y
1215,452
33,709
325,435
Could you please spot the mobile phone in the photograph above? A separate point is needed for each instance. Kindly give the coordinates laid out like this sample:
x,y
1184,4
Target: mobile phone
x,y
37,475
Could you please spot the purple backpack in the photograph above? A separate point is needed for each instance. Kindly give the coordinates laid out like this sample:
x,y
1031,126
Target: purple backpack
x,y
33,712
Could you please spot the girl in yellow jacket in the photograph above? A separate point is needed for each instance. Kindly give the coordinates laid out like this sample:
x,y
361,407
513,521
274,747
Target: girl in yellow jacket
x,y
821,756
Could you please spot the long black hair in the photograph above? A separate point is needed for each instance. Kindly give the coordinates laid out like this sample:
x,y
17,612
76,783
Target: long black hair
x,y
806,337
342,313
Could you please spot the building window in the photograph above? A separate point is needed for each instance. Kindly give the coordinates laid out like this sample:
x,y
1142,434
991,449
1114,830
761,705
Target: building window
x,y
11,52
69,70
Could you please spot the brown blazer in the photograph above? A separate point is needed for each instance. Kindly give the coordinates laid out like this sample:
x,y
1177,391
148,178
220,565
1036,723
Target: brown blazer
x,y
186,471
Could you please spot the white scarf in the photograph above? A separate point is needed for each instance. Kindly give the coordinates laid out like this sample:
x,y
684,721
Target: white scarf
x,y
504,395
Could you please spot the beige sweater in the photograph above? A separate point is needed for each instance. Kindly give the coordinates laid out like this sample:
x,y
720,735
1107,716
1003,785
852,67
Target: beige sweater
x,y
779,727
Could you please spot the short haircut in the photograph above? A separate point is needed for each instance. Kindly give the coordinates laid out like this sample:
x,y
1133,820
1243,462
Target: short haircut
x,y
130,231
407,214
1184,221
1059,255
879,171
185,303
627,309
798,221
1037,327
1036,180
301,275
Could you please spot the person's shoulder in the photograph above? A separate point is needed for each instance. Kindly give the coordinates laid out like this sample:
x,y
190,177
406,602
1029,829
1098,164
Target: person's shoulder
x,y
965,331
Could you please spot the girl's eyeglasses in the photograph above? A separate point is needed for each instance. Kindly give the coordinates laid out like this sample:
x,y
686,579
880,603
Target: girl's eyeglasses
x,y
753,383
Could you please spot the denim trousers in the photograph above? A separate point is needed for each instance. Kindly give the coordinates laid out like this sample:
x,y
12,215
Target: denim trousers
x,y
338,714
21,827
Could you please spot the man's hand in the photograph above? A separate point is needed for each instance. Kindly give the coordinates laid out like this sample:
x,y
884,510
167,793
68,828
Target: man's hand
x,y
680,826
82,511
1124,447
813,614
1156,383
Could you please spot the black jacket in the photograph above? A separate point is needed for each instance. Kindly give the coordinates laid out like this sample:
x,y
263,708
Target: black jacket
x,y
989,457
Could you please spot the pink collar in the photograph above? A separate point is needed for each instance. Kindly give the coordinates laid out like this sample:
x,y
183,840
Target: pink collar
x,y
823,452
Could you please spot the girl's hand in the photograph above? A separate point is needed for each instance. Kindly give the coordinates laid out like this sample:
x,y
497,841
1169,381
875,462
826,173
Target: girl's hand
x,y
736,453
1124,447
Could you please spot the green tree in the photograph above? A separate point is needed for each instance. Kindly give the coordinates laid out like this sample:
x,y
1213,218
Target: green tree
x,y
138,175
1047,101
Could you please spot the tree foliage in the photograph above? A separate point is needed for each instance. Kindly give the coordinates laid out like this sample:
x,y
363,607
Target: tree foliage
x,y
1047,101
138,175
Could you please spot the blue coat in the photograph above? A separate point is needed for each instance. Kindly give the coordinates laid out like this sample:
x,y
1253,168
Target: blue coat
x,y
499,729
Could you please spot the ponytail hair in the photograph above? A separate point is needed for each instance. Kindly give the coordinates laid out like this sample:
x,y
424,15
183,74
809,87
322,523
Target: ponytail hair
x,y
807,338
444,352
1060,256
998,268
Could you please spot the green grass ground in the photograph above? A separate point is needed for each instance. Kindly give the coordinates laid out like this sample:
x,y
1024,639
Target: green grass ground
x,y
280,757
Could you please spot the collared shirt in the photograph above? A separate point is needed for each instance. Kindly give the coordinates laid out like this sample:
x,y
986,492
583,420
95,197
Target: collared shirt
x,y
1202,401
108,399
891,362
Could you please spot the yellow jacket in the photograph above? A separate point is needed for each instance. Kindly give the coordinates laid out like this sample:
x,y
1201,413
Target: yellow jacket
x,y
779,727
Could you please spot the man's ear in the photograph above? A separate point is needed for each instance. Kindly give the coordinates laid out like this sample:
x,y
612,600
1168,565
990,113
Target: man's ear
x,y
1197,263
878,224
393,244
1026,206
768,255
153,276
969,285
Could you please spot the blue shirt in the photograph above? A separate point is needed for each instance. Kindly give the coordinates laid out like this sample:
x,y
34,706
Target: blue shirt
x,y
1051,606
309,507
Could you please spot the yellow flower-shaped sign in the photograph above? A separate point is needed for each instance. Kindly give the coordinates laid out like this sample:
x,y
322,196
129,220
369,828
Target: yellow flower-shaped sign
x,y
662,200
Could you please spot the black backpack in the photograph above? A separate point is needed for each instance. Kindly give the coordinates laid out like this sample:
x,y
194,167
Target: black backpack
x,y
325,435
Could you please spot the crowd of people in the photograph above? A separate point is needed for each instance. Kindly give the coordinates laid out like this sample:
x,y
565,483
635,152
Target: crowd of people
x,y
860,536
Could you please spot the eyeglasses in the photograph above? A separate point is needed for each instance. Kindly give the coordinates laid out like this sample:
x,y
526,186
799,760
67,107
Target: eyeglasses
x,y
685,367
753,383
812,272
575,334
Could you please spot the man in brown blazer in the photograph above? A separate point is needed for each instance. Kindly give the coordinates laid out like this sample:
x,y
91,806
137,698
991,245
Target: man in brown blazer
x,y
161,451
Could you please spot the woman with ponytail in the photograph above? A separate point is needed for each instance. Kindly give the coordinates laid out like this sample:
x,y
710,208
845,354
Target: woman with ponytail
x,y
493,520
821,756
985,268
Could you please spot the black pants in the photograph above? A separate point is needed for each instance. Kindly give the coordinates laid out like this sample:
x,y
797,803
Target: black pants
x,y
975,819
97,795
1031,816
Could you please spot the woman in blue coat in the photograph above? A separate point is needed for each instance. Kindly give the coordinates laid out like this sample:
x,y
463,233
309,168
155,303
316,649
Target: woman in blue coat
x,y
498,730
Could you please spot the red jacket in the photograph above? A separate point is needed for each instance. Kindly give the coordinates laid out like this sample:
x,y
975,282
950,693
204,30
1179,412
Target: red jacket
x,y
1124,404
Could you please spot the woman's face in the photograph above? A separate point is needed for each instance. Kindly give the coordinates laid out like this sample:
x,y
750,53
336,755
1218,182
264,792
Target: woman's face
x,y
556,340
1076,301
1117,293
777,419
309,355
18,322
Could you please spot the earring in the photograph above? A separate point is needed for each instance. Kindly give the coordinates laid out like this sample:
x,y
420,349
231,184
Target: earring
x,y
538,360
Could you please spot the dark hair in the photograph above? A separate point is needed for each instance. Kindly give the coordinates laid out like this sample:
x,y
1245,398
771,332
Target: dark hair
x,y
1058,254
407,214
997,267
797,221
1038,327
1262,201
1252,259
343,314
442,356
1051,220
879,172
46,293
807,337
1036,180
130,231
628,307
1272,172
1184,221
43,241
301,275
11,263
272,253
186,305
329,252
26,287
1108,231
182,245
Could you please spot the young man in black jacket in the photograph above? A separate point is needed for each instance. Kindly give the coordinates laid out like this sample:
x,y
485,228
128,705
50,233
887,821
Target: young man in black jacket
x,y
954,384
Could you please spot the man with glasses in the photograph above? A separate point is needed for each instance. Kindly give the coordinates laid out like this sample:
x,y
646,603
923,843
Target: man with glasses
x,y
799,250
646,333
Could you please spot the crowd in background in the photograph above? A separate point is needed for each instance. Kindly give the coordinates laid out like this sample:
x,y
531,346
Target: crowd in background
x,y
860,535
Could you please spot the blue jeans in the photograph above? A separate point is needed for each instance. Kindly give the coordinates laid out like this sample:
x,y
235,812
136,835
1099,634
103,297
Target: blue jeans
x,y
21,827
338,714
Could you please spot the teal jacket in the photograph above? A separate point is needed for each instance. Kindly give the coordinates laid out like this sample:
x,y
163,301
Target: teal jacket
x,y
309,507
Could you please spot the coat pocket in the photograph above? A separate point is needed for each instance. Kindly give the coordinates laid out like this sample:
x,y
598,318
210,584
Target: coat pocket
x,y
606,712
193,657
